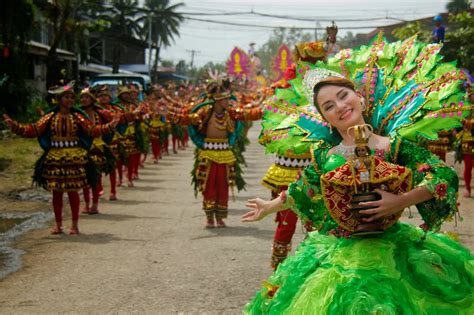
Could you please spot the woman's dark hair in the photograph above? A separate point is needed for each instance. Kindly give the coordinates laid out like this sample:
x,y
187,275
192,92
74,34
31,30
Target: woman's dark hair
x,y
342,82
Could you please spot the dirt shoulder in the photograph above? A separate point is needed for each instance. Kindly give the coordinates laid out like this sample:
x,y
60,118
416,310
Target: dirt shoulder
x,y
17,159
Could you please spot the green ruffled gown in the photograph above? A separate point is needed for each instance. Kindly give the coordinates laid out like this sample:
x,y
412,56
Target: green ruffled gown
x,y
405,270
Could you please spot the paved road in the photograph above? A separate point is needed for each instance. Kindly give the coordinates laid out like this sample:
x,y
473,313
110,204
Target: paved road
x,y
148,252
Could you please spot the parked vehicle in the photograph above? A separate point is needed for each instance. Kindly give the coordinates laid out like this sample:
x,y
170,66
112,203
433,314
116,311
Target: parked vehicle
x,y
115,80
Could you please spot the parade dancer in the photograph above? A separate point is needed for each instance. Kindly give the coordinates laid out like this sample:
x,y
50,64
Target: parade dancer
x,y
442,145
214,128
157,124
104,97
467,143
142,129
288,164
132,135
361,179
99,151
65,134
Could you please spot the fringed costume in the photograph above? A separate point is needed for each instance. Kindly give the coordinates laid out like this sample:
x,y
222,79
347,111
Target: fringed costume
x,y
217,166
133,137
116,144
99,152
65,166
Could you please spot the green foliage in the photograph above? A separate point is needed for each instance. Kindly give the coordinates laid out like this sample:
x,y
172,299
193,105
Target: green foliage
x,y
164,21
411,29
348,41
458,6
202,72
124,17
35,108
16,24
167,63
280,36
459,44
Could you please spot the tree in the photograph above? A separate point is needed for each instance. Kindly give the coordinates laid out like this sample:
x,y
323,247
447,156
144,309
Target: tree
x,y
182,67
290,37
459,44
125,18
167,63
411,29
16,24
347,41
68,21
57,13
164,22
458,6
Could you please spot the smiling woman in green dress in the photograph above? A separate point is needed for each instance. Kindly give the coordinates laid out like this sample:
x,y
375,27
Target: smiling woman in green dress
x,y
395,268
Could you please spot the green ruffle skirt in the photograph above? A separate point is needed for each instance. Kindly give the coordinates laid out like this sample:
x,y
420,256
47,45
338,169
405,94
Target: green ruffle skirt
x,y
393,273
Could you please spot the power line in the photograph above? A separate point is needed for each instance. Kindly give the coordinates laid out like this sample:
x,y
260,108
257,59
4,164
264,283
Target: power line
x,y
278,27
297,18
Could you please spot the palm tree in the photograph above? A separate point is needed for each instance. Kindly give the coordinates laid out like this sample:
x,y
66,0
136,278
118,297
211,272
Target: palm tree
x,y
124,17
164,21
458,6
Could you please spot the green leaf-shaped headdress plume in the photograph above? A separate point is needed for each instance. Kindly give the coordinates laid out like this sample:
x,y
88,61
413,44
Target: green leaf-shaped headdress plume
x,y
407,91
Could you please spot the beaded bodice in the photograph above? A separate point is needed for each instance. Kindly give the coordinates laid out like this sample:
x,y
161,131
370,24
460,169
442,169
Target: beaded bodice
x,y
64,128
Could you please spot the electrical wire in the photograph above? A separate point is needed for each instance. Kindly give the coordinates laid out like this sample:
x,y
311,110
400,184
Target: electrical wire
x,y
279,27
296,18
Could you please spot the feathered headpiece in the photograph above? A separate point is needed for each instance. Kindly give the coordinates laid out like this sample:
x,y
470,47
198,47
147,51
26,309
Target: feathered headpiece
x,y
218,87
407,90
89,92
102,90
58,91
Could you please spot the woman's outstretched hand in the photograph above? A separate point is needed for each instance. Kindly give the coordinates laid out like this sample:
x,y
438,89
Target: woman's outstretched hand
x,y
258,212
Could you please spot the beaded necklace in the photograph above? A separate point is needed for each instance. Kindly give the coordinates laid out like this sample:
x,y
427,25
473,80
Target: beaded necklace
x,y
221,119
346,151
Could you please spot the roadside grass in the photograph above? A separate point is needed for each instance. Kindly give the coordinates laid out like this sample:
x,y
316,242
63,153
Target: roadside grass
x,y
17,158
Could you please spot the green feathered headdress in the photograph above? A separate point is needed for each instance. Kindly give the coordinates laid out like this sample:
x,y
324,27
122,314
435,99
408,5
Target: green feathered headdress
x,y
407,90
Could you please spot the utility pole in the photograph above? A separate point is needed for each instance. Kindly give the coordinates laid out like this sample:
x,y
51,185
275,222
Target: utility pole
x,y
316,32
149,45
317,26
193,53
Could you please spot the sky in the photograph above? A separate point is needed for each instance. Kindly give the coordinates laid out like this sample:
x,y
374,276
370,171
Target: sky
x,y
214,42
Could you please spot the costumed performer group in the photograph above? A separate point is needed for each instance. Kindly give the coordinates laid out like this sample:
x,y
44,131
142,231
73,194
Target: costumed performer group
x,y
102,136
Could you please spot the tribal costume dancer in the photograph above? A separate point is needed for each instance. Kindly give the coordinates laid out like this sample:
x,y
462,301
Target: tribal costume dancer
x,y
99,151
133,136
467,142
288,164
442,145
116,146
65,133
141,129
214,128
366,169
157,123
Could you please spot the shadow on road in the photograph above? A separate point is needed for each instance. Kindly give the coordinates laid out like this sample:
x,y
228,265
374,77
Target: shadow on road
x,y
142,188
122,217
237,231
92,238
125,202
